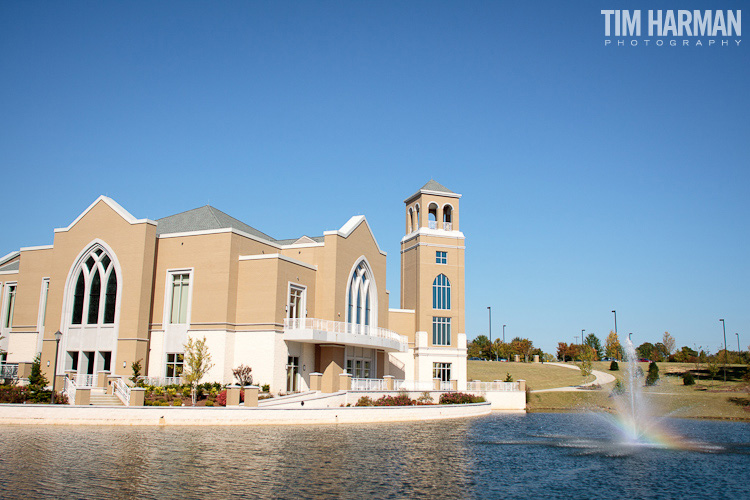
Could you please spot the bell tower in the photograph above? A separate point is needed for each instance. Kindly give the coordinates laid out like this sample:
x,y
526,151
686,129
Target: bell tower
x,y
432,275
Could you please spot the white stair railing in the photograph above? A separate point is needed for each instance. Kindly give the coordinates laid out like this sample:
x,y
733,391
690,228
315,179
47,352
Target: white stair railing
x,y
84,380
9,371
122,391
70,390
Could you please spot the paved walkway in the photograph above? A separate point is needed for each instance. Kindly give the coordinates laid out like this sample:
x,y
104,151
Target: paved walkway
x,y
601,379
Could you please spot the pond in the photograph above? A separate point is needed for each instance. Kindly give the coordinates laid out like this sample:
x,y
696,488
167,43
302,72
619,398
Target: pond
x,y
497,456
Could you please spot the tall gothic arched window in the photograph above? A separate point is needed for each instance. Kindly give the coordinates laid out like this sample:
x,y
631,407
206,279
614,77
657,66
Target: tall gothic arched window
x,y
441,292
359,296
95,289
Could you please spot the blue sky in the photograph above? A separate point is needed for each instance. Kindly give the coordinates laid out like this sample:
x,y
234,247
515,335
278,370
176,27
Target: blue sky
x,y
593,178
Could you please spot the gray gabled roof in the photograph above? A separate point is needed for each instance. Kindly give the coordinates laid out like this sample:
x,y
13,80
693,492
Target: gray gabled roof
x,y
291,241
13,266
435,186
204,219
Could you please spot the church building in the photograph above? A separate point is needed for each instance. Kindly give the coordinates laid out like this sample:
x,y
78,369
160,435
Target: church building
x,y
123,290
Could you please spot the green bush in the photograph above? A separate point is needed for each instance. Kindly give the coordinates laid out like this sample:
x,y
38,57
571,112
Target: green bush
x,y
400,400
209,403
459,398
186,393
653,374
265,388
365,401
688,379
177,402
508,377
613,366
619,388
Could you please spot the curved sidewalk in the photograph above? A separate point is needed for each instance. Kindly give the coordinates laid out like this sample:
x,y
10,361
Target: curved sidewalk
x,y
601,379
161,415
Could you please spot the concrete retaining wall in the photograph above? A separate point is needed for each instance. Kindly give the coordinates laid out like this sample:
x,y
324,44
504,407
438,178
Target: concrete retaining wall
x,y
160,415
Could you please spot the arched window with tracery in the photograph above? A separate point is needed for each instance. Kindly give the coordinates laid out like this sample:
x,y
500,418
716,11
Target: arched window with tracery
x,y
95,291
361,297
441,292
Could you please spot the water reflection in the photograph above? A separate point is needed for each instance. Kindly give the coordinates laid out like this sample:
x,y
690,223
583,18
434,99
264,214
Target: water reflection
x,y
490,457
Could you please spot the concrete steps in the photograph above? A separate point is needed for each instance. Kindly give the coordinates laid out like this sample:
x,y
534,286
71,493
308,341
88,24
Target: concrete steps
x,y
101,398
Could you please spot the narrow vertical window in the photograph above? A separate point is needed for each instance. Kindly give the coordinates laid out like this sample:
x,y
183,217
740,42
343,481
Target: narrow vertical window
x,y
95,291
10,306
296,302
180,291
43,302
441,331
110,299
441,292
78,296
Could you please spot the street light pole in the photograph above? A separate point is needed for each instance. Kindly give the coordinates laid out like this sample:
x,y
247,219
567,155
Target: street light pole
x,y
504,334
739,353
489,309
615,313
723,327
58,336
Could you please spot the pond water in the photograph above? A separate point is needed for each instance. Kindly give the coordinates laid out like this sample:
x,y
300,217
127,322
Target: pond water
x,y
498,456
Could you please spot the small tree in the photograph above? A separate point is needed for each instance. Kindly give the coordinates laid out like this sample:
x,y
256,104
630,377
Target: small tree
x,y
613,366
197,364
653,374
612,348
588,354
244,375
669,343
37,381
136,367
508,377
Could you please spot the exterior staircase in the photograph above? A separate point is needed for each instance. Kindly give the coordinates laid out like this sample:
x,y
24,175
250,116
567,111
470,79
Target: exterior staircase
x,y
99,397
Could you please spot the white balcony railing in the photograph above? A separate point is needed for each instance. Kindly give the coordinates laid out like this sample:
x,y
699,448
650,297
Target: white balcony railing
x,y
369,384
84,380
445,385
343,333
492,386
122,391
160,381
9,371
413,385
432,224
448,226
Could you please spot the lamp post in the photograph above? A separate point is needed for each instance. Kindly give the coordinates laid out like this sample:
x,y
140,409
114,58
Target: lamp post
x,y
504,334
723,327
58,336
489,309
615,313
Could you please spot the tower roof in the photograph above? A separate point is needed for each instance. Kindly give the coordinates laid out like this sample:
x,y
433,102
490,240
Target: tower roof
x,y
433,187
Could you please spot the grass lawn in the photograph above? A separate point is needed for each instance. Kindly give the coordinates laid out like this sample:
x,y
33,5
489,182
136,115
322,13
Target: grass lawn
x,y
705,399
536,375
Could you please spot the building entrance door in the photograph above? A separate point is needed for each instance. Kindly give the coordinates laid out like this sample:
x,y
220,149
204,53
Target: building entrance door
x,y
292,374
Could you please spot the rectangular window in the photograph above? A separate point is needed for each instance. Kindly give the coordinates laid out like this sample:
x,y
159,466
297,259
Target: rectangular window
x,y
43,301
295,308
441,331
180,298
10,304
441,371
174,364
441,257
72,361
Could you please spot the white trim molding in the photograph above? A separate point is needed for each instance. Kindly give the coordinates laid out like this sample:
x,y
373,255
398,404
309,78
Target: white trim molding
x,y
436,245
39,247
436,193
352,224
280,257
8,257
440,233
114,206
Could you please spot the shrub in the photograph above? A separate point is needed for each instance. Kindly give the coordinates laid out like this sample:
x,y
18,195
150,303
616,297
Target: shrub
x,y
508,377
653,374
14,394
425,399
266,388
619,388
688,379
613,366
244,375
400,400
365,401
221,399
459,398
177,402
158,391
186,391
209,403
